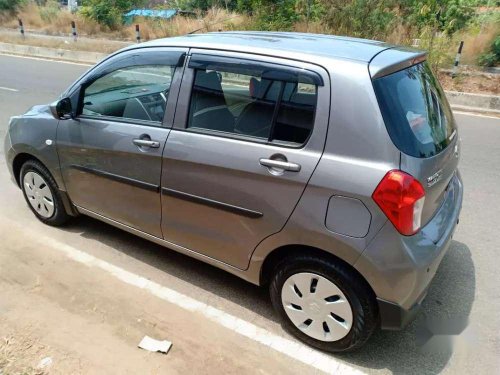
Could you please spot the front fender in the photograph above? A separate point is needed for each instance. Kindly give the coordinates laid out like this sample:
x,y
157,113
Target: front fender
x,y
34,133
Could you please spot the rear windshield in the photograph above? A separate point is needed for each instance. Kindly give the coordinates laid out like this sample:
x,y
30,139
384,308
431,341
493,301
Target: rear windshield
x,y
415,111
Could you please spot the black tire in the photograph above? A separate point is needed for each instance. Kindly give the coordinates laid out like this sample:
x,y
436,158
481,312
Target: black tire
x,y
359,294
59,217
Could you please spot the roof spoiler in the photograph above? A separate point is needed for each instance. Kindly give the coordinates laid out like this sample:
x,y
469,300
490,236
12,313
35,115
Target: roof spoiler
x,y
392,60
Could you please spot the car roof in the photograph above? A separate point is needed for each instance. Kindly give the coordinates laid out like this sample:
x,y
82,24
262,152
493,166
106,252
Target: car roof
x,y
273,43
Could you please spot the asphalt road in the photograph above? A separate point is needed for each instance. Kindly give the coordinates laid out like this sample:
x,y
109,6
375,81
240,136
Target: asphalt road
x,y
467,284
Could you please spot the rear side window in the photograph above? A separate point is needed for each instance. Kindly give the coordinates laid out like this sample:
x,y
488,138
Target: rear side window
x,y
253,103
415,110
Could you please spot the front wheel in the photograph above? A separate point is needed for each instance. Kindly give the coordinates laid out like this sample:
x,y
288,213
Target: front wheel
x,y
324,303
41,194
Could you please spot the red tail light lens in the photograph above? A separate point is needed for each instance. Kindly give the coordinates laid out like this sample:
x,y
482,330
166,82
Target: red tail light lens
x,y
401,197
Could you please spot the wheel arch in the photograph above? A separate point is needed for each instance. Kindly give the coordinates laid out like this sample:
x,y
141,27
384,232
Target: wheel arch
x,y
18,163
288,251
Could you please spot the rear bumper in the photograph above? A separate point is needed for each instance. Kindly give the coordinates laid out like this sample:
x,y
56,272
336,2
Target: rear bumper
x,y
393,317
401,268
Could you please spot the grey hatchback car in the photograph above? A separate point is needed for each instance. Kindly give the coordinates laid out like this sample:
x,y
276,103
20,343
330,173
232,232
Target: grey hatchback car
x,y
322,167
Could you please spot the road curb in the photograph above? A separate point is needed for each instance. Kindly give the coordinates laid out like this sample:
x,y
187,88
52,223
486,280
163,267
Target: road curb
x,y
52,53
476,110
474,102
458,100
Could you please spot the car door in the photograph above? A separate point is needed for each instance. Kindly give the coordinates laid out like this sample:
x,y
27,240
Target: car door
x,y
110,151
247,137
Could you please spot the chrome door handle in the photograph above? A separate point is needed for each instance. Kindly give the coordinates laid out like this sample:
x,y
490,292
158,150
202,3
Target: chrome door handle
x,y
146,143
287,166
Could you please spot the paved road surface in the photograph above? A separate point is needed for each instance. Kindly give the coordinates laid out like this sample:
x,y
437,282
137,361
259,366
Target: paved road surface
x,y
89,321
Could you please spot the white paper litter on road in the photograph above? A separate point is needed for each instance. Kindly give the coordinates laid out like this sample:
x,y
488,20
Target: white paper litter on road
x,y
153,345
46,362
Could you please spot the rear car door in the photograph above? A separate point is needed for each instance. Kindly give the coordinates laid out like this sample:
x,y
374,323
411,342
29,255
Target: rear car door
x,y
110,153
247,137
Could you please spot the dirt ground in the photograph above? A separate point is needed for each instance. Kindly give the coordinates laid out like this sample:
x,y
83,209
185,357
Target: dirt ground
x,y
467,82
92,323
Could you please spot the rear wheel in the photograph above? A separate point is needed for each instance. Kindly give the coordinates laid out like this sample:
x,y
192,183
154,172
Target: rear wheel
x,y
41,194
324,303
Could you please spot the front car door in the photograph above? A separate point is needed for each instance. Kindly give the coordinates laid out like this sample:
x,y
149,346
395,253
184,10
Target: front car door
x,y
110,153
247,137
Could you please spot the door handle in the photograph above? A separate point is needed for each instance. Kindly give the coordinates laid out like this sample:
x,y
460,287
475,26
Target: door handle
x,y
285,165
146,143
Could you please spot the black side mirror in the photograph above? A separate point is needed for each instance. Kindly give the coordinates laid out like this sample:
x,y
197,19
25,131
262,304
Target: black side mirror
x,y
62,109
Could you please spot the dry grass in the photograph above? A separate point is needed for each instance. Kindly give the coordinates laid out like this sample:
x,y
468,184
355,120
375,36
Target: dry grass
x,y
12,360
215,20
476,43
312,27
53,21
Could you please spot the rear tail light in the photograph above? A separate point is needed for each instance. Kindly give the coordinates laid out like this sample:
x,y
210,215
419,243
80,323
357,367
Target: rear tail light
x,y
401,198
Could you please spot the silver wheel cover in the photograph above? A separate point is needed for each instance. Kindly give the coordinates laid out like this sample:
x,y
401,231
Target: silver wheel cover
x,y
39,194
317,307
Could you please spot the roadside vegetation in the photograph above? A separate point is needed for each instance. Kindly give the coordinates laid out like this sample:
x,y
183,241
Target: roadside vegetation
x,y
435,25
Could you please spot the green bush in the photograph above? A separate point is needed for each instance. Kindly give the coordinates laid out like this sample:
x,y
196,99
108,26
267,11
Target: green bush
x,y
108,12
10,5
444,15
204,5
275,14
492,57
360,18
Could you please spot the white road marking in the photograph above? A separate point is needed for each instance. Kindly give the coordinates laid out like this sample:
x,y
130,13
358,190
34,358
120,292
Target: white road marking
x,y
8,89
43,59
293,349
475,114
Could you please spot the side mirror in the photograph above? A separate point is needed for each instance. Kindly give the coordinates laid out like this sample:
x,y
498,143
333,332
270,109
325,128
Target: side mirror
x,y
62,109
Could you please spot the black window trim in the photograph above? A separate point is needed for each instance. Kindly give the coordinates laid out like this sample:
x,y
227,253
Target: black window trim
x,y
241,137
210,62
255,65
126,120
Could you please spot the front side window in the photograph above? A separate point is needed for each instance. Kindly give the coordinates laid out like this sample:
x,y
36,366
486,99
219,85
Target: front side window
x,y
136,92
260,104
